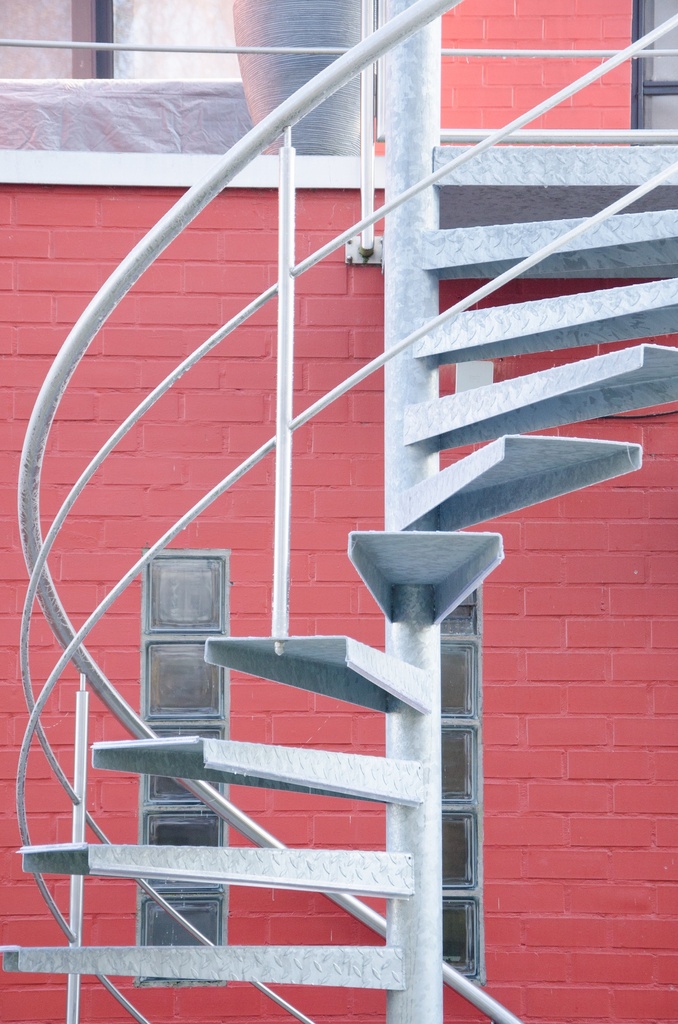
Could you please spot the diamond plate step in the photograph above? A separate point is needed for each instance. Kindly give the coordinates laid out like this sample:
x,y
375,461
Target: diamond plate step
x,y
451,565
635,378
545,325
510,474
627,245
347,966
258,764
355,871
336,666
543,166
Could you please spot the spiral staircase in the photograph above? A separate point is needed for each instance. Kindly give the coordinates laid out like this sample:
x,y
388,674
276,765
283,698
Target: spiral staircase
x,y
418,570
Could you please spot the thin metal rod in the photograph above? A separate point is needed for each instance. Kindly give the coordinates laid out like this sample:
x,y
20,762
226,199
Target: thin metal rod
x,y
379,83
492,139
284,394
72,44
78,836
120,998
532,136
367,134
460,51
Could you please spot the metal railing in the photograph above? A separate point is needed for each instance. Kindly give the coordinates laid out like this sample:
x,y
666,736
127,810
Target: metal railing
x,y
37,550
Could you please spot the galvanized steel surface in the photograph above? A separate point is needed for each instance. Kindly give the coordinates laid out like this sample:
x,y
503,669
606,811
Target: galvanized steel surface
x,y
344,967
634,378
511,474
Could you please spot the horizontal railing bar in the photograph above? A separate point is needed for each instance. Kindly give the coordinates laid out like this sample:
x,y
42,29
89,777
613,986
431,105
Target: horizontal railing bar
x,y
330,51
73,44
620,136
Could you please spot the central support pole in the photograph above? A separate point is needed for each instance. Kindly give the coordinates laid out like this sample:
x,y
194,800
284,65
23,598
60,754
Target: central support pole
x,y
78,836
412,126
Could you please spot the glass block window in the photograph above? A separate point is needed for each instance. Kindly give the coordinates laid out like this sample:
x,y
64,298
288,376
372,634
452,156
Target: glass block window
x,y
655,79
184,601
462,788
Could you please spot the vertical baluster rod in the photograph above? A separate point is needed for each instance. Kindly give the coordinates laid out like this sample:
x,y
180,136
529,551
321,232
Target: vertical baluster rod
x,y
284,395
367,134
78,836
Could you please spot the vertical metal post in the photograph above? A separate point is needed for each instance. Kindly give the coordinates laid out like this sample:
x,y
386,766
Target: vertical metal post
x,y
78,836
285,391
412,122
367,134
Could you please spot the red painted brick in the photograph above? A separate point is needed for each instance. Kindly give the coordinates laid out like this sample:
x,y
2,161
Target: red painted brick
x,y
564,797
614,899
661,732
567,732
611,831
608,764
569,1002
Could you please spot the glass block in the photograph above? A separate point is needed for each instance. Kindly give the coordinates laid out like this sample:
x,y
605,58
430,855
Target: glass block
x,y
457,677
459,849
162,790
460,934
180,682
186,595
462,620
192,828
159,929
457,757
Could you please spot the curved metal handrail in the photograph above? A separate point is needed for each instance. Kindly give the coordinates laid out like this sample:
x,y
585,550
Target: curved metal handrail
x,y
125,276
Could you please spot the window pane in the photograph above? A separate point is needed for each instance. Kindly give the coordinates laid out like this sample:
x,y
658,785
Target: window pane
x,y
159,929
182,684
460,926
456,676
457,755
186,595
661,69
660,111
459,853
162,790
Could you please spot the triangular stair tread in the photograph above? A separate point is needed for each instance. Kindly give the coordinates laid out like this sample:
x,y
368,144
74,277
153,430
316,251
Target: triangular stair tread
x,y
635,378
325,772
546,325
509,474
342,966
450,565
624,243
543,166
363,873
335,666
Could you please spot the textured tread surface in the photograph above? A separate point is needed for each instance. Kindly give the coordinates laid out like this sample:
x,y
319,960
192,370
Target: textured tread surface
x,y
364,873
259,764
635,378
348,967
546,325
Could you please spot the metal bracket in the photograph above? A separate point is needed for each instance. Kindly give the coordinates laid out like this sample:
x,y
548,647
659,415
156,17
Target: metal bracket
x,y
354,255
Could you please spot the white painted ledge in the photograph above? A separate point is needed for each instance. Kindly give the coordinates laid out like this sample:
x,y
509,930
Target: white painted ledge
x,y
162,170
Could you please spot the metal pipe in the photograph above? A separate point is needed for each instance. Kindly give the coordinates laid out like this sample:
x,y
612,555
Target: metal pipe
x,y
410,295
379,83
533,136
78,836
284,395
461,51
367,133
72,44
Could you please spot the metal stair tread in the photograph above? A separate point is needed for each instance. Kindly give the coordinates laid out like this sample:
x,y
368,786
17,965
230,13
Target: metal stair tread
x,y
628,241
364,873
451,565
343,966
545,165
325,772
545,325
633,378
336,666
509,474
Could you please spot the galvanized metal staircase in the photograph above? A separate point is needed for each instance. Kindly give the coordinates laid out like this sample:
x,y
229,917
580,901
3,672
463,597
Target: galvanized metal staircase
x,y
418,570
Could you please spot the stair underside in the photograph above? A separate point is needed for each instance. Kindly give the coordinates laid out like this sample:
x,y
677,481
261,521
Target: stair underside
x,y
347,967
545,325
363,873
446,566
257,764
510,474
634,378
336,666
627,245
